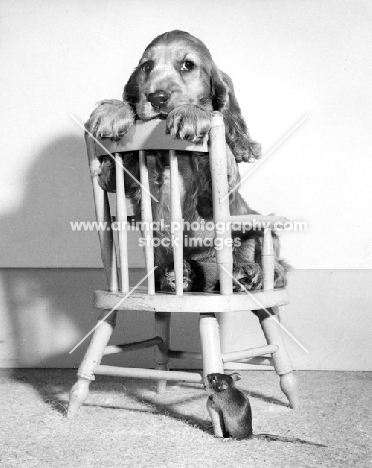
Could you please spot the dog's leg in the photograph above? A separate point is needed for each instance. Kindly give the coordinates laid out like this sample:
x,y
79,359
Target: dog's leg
x,y
280,274
246,271
281,267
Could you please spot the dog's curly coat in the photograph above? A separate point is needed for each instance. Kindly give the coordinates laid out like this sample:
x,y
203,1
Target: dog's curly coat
x,y
177,80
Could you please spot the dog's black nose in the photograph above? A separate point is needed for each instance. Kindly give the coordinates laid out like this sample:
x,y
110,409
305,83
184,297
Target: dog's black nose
x,y
158,98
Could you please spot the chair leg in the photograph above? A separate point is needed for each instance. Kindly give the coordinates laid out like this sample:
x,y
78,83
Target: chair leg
x,y
212,361
162,330
93,356
211,347
281,360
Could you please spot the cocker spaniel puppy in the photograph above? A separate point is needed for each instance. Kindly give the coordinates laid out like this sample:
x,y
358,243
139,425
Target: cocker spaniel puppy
x,y
177,80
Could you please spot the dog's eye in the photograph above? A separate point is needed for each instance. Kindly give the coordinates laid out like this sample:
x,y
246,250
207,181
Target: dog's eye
x,y
187,65
147,67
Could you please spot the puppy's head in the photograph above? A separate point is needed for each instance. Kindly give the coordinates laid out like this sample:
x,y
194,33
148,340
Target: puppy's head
x,y
175,69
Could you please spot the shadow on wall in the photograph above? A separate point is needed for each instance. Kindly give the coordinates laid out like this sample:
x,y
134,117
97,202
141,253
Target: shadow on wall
x,y
46,311
57,190
39,317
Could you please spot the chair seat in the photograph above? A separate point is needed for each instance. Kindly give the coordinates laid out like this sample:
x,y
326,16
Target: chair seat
x,y
201,302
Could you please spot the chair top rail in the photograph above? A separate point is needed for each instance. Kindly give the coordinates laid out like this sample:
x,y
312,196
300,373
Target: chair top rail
x,y
147,136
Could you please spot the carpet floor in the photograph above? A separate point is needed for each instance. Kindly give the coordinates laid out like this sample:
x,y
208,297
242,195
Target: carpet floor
x,y
125,424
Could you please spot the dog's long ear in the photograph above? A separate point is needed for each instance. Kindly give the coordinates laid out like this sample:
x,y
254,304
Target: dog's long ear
x,y
237,135
131,90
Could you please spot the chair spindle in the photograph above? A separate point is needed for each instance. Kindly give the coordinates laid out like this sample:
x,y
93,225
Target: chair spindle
x,y
268,260
146,212
218,167
103,217
176,223
121,218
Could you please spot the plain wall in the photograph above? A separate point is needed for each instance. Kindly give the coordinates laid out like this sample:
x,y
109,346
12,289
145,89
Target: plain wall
x,y
287,59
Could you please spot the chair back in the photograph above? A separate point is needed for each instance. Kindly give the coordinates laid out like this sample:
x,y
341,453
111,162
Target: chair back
x,y
147,136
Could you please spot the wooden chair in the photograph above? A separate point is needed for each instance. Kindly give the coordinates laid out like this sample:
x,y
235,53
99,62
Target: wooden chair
x,y
151,136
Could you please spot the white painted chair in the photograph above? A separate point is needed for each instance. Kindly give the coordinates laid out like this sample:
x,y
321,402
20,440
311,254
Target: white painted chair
x,y
151,136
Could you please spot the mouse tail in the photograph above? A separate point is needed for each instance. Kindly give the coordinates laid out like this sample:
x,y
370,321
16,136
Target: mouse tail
x,y
287,439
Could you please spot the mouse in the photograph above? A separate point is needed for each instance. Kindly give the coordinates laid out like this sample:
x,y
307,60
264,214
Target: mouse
x,y
231,412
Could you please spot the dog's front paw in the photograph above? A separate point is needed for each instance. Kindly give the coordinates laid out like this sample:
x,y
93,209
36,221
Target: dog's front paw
x,y
188,122
111,119
249,276
168,282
